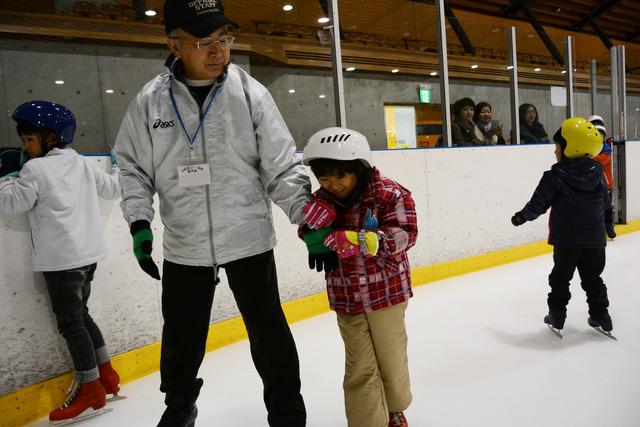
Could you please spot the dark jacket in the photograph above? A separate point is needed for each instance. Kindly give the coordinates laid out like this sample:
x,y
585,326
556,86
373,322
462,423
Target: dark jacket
x,y
9,160
577,195
463,132
533,134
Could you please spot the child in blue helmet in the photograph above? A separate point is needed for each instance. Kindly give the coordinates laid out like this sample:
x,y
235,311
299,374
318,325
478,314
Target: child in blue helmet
x,y
59,190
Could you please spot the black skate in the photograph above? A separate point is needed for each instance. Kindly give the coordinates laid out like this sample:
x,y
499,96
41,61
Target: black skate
x,y
555,321
603,326
179,416
181,408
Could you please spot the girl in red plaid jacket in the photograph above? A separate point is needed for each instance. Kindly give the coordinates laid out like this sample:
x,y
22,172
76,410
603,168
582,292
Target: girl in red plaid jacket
x,y
364,256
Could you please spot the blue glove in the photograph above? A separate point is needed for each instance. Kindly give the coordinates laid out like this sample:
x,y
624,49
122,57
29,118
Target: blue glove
x,y
370,222
112,153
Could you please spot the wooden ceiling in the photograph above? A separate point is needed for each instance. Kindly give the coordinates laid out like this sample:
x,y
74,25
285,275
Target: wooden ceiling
x,y
410,21
619,19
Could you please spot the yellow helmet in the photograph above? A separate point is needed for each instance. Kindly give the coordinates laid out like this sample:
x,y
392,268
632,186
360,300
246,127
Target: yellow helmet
x,y
580,137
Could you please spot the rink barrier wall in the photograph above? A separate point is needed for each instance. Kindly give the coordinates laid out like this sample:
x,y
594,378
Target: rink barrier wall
x,y
33,402
464,197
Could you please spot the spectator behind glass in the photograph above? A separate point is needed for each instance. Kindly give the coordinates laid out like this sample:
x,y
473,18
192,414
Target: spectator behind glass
x,y
531,130
487,130
463,129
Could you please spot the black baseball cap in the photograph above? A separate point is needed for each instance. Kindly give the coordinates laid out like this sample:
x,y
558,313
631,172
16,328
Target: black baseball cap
x,y
199,18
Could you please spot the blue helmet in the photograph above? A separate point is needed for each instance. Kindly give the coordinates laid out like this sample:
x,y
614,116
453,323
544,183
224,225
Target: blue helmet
x,y
48,115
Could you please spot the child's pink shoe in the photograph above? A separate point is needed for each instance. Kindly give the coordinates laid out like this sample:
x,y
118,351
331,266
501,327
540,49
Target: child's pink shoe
x,y
397,419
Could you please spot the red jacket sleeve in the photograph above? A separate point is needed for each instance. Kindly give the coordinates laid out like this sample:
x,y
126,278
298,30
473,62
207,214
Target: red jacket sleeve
x,y
398,224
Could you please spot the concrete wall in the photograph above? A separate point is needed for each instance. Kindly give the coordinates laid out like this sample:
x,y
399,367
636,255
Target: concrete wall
x,y
28,70
366,94
88,70
464,197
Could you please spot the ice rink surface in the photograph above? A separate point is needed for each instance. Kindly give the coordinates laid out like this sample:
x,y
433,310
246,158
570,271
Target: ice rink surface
x,y
479,354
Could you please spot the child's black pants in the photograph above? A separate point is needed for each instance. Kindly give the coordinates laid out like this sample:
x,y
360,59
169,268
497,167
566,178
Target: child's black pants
x,y
590,264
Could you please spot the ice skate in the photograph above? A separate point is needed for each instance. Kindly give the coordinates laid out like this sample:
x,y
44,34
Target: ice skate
x,y
110,380
84,401
179,416
555,322
181,408
397,419
603,326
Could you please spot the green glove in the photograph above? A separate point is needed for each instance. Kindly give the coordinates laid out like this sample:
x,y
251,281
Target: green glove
x,y
142,246
320,257
314,238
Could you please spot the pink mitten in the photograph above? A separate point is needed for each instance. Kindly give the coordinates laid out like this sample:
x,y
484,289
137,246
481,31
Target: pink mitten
x,y
318,213
340,242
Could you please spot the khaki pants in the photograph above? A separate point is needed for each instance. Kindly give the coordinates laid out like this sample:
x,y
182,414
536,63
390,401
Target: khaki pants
x,y
376,378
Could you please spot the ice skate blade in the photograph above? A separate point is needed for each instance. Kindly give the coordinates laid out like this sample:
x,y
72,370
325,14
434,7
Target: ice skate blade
x,y
605,333
84,416
555,331
115,397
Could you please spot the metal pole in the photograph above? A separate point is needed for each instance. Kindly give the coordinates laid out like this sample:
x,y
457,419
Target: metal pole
x,y
619,151
513,89
593,87
444,76
622,92
615,132
568,76
336,59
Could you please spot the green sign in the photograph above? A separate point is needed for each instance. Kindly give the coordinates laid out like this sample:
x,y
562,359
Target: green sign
x,y
425,95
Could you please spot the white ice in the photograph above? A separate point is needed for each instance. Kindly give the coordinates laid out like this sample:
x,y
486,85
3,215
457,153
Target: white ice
x,y
479,352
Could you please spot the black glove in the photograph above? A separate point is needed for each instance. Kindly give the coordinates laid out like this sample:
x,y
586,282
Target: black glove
x,y
518,219
142,246
327,261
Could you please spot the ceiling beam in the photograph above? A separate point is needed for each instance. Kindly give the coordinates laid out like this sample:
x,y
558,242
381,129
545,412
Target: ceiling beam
x,y
551,47
597,11
513,7
603,36
457,28
632,35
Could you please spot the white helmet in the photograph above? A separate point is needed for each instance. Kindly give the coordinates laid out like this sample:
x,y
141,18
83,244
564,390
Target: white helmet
x,y
602,130
595,118
338,144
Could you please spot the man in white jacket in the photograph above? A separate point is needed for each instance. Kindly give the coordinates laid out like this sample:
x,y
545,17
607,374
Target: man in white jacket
x,y
59,191
210,141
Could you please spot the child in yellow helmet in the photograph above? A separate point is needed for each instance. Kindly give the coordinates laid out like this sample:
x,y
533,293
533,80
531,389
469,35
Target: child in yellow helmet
x,y
577,195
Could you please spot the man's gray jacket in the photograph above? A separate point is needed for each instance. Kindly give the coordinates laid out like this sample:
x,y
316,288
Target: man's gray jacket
x,y
250,153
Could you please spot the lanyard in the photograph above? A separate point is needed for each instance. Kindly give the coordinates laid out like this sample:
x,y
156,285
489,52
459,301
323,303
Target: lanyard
x,y
175,107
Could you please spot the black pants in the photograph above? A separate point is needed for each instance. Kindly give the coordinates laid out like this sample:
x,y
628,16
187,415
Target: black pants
x,y
590,263
608,212
187,296
69,291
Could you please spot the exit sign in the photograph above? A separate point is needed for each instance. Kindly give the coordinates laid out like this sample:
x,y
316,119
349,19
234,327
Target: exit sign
x,y
425,95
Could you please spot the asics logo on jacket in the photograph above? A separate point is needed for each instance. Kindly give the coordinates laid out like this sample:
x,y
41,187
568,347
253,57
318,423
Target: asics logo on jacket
x,y
162,124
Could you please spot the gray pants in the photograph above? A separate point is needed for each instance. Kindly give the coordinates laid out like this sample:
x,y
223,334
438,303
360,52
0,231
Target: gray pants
x,y
69,291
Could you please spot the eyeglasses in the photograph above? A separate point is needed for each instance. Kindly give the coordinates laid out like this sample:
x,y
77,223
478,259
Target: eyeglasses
x,y
223,42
